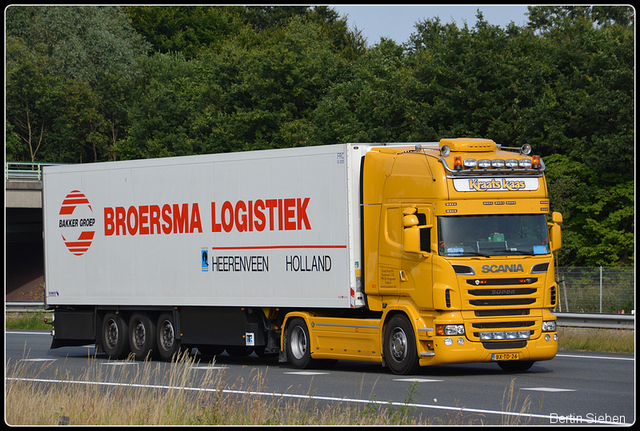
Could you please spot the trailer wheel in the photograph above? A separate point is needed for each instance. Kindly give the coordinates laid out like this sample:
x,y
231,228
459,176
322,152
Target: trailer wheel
x,y
114,336
167,341
400,346
297,343
142,337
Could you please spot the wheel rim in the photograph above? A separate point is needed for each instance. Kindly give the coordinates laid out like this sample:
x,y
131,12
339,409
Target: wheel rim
x,y
398,344
112,334
167,335
298,342
139,335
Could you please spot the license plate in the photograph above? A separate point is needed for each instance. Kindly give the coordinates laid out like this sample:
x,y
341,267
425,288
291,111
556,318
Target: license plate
x,y
505,356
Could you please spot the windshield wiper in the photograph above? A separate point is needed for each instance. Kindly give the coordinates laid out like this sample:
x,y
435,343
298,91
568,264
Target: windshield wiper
x,y
474,253
527,253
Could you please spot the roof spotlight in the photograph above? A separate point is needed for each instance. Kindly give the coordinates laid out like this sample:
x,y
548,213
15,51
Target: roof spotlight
x,y
526,149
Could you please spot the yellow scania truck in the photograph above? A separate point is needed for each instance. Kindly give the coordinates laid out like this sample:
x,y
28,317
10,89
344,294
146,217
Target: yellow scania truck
x,y
407,255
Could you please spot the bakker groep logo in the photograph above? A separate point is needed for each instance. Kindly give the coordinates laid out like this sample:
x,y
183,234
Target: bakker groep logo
x,y
77,222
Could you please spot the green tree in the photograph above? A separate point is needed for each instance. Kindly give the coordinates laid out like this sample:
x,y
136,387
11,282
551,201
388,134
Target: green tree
x,y
59,59
369,103
186,29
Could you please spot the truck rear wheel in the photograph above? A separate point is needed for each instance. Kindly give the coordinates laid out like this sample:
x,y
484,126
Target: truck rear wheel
x,y
115,336
400,346
142,337
166,337
297,343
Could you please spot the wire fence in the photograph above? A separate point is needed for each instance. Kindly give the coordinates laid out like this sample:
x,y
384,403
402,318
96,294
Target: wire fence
x,y
596,290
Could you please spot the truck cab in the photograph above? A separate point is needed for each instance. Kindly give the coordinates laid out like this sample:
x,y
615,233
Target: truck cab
x,y
456,238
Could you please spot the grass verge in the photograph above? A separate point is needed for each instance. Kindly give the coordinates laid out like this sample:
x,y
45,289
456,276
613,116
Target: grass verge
x,y
597,340
153,393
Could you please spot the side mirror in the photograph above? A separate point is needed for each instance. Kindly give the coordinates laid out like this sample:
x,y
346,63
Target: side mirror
x,y
411,233
412,240
555,235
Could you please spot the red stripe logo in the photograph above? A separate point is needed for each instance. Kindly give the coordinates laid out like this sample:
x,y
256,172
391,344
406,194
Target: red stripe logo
x,y
76,222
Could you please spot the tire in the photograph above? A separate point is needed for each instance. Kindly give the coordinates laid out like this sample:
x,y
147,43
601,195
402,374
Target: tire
x,y
297,343
261,352
399,347
166,337
115,333
515,366
142,336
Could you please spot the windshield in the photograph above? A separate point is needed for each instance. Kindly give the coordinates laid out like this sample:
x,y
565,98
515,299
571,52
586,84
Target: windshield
x,y
493,235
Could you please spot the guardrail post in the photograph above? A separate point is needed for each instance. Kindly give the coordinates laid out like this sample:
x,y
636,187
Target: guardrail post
x,y
601,289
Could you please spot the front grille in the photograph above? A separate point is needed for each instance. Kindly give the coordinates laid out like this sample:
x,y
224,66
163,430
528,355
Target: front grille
x,y
502,281
501,292
495,313
501,302
494,325
495,345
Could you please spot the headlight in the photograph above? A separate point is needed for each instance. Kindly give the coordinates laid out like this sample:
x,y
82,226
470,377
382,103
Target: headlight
x,y
549,326
524,163
510,335
511,163
449,329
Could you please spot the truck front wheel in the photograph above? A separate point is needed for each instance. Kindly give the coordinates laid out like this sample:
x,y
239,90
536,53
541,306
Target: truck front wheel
x,y
166,340
114,336
400,346
515,366
142,338
297,343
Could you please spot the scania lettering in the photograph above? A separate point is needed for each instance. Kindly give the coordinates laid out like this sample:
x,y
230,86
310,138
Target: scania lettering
x,y
406,255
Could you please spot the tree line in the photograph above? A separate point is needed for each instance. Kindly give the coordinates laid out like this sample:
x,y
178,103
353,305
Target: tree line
x,y
89,84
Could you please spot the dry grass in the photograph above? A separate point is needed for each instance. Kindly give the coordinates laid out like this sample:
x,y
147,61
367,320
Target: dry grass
x,y
515,413
152,393
149,393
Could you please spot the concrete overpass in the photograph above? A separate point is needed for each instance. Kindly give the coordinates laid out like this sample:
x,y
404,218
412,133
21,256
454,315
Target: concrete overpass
x,y
24,251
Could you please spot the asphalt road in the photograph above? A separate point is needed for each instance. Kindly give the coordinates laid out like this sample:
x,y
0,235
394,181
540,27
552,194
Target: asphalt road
x,y
573,388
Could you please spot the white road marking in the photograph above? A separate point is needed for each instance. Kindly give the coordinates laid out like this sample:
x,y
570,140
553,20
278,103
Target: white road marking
x,y
119,363
418,380
595,357
38,360
305,373
213,367
289,395
548,389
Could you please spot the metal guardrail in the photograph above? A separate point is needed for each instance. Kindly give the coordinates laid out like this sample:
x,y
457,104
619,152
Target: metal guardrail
x,y
602,321
23,306
25,170
576,320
